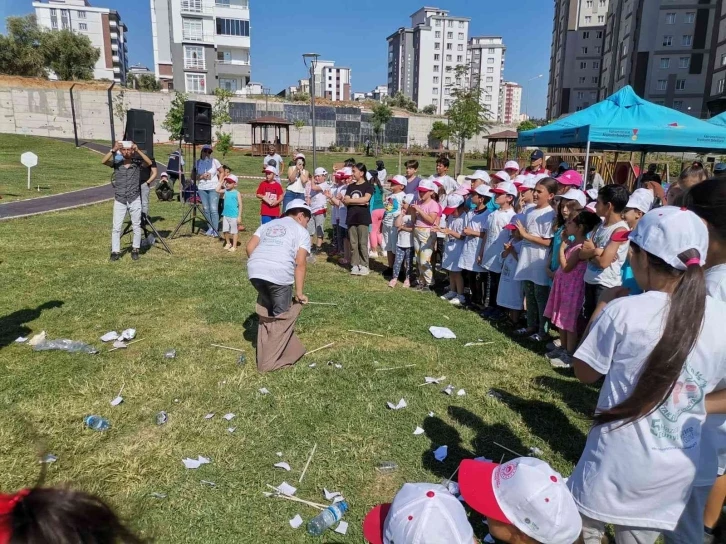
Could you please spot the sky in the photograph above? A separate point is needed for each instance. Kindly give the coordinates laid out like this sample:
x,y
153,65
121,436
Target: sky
x,y
353,34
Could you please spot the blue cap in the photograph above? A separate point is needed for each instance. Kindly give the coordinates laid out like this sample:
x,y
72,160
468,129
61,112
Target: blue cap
x,y
719,167
207,147
564,166
536,155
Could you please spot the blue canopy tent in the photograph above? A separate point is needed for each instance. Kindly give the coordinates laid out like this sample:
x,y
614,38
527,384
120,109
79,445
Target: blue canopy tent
x,y
626,122
719,120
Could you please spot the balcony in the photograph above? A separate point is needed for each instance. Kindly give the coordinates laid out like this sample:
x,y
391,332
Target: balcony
x,y
197,37
232,4
196,7
234,62
114,46
195,64
233,68
115,58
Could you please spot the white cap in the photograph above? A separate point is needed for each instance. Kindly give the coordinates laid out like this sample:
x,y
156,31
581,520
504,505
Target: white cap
x,y
669,231
507,188
230,177
525,492
270,169
399,180
511,165
520,179
480,174
421,514
591,207
408,199
484,190
427,185
319,171
299,156
540,177
641,199
164,174
502,176
592,193
453,201
296,204
575,194
529,182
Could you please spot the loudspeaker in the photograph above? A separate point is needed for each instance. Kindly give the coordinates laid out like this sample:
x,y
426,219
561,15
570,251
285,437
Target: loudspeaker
x,y
140,129
197,124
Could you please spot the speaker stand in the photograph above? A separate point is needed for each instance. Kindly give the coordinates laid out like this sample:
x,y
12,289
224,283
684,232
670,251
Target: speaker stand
x,y
146,222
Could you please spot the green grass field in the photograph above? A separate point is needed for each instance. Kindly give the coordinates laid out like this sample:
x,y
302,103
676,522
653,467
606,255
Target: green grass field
x,y
58,278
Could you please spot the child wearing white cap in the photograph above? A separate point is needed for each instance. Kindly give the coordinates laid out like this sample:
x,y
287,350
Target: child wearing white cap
x,y
475,223
510,295
661,353
404,243
318,202
455,213
392,209
524,500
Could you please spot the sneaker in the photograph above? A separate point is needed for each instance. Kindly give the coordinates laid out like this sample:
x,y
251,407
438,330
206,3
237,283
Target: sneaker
x,y
459,300
135,254
563,361
115,256
209,232
555,353
355,271
373,254
363,271
227,245
232,249
392,283
406,283
449,296
554,345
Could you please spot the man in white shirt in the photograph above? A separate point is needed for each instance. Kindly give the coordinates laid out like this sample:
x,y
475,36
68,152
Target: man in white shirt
x,y
272,155
442,174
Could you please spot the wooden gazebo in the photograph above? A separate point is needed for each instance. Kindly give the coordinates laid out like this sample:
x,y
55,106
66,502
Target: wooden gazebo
x,y
259,145
507,136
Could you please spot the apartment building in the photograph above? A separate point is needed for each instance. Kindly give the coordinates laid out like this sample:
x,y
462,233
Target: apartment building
x,y
485,59
576,55
715,94
103,27
422,58
200,45
510,103
331,81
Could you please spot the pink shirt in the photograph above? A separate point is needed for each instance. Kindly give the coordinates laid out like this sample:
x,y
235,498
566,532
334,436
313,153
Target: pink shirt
x,y
430,206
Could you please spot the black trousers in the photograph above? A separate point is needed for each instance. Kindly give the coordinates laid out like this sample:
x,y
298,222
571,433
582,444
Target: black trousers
x,y
276,299
494,278
592,295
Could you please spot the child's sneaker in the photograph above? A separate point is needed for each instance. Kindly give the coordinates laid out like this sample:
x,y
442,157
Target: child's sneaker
x,y
232,249
363,271
555,353
373,254
393,283
554,344
458,300
449,296
406,283
563,361
355,271
227,245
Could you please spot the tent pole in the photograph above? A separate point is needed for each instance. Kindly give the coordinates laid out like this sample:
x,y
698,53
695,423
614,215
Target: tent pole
x,y
587,164
642,167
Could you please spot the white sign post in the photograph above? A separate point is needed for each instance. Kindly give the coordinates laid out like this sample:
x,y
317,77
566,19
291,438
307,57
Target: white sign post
x,y
29,159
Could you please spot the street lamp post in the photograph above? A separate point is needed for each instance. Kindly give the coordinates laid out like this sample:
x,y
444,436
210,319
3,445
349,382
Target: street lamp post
x,y
526,96
313,58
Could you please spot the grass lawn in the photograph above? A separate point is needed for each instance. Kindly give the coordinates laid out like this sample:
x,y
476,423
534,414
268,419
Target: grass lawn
x,y
61,167
58,278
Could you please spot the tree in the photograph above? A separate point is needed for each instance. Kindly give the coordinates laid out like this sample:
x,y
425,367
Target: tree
x,y
440,131
146,82
301,97
299,124
429,110
221,116
119,107
21,53
70,55
175,116
381,115
526,125
467,115
400,100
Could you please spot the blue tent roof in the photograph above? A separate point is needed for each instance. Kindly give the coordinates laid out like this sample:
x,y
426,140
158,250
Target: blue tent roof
x,y
626,122
719,120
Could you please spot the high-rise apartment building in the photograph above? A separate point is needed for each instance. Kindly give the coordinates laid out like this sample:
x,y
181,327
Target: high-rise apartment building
x,y
200,45
331,81
715,94
576,55
103,27
510,103
485,59
422,59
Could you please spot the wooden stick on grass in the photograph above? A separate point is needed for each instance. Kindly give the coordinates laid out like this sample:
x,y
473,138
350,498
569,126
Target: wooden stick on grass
x,y
318,349
323,303
308,463
394,368
506,448
368,333
295,499
127,345
227,347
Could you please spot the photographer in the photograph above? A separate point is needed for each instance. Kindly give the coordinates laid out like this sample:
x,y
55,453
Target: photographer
x,y
126,182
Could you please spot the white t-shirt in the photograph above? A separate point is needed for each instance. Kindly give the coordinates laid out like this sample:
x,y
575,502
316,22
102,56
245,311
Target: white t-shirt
x,y
276,158
610,276
510,294
274,258
449,184
318,200
475,221
640,474
496,237
716,282
392,205
208,166
342,209
404,237
383,175
533,260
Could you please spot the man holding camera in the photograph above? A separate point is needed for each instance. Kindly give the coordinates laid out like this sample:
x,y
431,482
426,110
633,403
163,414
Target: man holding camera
x,y
126,182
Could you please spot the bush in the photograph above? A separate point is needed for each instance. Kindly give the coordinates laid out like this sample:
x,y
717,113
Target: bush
x,y
301,97
224,143
429,110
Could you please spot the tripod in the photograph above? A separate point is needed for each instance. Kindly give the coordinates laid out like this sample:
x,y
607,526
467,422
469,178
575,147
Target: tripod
x,y
146,222
194,205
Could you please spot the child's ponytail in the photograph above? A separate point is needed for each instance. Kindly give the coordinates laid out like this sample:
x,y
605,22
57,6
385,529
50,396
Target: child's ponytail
x,y
683,326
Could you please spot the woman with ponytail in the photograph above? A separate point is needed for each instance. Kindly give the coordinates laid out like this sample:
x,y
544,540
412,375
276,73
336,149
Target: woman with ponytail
x,y
660,352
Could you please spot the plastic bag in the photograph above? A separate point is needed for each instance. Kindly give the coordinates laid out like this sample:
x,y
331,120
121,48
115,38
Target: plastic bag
x,y
64,344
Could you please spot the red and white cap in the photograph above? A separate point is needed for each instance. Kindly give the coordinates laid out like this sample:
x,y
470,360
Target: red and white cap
x,y
641,199
398,180
320,171
512,165
669,231
576,195
270,169
483,190
506,188
592,194
512,225
501,176
436,181
519,180
525,492
232,178
427,185
480,175
529,183
453,201
570,177
344,173
420,514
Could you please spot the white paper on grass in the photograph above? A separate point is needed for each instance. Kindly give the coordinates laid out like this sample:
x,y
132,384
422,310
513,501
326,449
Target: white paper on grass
x,y
279,454
448,390
342,528
430,380
461,393
338,365
231,429
128,334
21,339
441,452
286,489
296,522
118,400
401,404
330,495
442,333
264,391
195,463
418,431
119,344
312,365
283,466
535,451
209,416
109,336
38,338
431,414
228,417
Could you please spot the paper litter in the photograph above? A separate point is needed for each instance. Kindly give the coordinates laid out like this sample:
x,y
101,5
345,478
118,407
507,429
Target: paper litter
x,y
461,393
195,463
128,334
170,354
231,429
493,394
430,380
118,400
442,333
312,365
284,466
206,482
453,488
209,416
229,417
109,336
535,451
158,495
449,390
119,344
418,431
279,454
401,404
441,452
296,522
21,339
48,459
286,489
332,495
338,365
64,344
161,418
342,528
264,391
37,339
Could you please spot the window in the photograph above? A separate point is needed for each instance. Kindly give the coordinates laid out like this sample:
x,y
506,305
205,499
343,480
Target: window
x,y
437,22
584,50
192,29
580,95
665,63
601,3
449,35
598,49
720,85
670,18
662,84
579,108
490,79
461,35
232,27
437,34
462,24
446,90
593,95
81,14
596,65
196,83
194,57
595,80
435,90
589,3
684,62
723,59
448,58
435,101
459,58
598,34
492,51
625,49
437,56
680,84
678,105
447,103
488,89
585,35
583,65
581,80
436,80
449,46
690,17
228,83
82,26
451,24
447,81
460,47
487,98
622,70
436,67
687,39
490,70
588,19
600,18
437,46
667,41
490,60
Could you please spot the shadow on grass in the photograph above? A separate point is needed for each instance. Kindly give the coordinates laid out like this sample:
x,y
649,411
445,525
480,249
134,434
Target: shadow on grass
x,y
250,328
580,398
13,325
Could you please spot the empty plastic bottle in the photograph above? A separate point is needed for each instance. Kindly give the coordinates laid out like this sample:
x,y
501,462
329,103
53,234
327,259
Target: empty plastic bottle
x,y
387,466
327,518
97,423
161,418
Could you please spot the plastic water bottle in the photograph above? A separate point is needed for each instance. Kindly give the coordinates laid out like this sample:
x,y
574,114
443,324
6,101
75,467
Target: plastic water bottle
x,y
97,423
327,518
387,467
